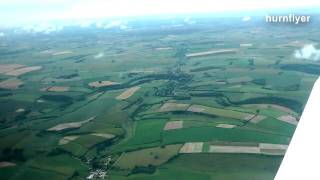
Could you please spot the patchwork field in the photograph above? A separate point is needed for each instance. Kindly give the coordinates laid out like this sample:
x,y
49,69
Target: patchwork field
x,y
163,99
195,147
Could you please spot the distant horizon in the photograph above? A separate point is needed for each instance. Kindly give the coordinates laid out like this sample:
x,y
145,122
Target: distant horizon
x,y
17,13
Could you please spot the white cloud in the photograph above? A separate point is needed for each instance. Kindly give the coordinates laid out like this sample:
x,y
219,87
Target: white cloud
x,y
99,24
52,26
308,52
85,23
246,18
99,55
45,28
188,20
116,24
2,34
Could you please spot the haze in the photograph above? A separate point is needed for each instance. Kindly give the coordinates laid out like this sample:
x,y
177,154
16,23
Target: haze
x,y
19,12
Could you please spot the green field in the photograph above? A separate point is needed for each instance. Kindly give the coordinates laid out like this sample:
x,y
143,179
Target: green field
x,y
247,95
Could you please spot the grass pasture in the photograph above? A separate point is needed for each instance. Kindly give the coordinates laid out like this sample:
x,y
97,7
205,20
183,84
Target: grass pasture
x,y
153,99
149,156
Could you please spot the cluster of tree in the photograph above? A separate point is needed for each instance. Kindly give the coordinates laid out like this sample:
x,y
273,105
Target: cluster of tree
x,y
306,68
150,169
22,115
261,82
9,154
166,90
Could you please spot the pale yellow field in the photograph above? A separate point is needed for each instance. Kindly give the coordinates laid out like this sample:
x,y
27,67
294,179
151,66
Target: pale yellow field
x,y
6,164
71,125
104,135
249,117
289,119
17,69
273,149
257,119
192,147
272,146
212,52
261,148
234,149
23,70
62,53
98,84
12,83
171,125
67,139
20,110
144,71
196,109
163,48
227,126
128,93
58,89
9,67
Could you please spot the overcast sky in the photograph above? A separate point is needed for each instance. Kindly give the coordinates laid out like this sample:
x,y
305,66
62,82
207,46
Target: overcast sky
x,y
13,12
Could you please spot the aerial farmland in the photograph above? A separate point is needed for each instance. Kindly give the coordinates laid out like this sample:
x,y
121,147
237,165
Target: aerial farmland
x,y
165,100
